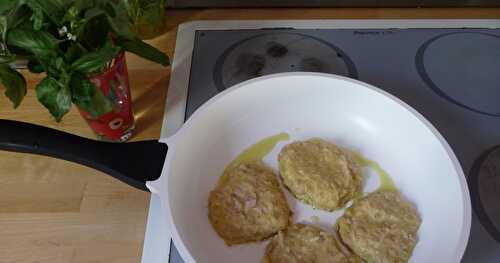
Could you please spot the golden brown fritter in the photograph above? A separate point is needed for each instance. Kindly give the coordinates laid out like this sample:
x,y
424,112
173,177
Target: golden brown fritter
x,y
320,173
380,227
247,204
301,243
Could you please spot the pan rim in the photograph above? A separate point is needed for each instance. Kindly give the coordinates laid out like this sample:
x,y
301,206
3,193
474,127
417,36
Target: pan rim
x,y
161,188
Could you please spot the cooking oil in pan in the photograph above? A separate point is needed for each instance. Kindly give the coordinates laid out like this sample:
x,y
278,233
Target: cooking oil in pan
x,y
259,150
385,179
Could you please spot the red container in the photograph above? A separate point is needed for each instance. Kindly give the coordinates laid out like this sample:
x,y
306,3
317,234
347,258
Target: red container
x,y
118,124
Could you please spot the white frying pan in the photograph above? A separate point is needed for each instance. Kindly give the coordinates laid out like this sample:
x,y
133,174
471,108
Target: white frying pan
x,y
304,105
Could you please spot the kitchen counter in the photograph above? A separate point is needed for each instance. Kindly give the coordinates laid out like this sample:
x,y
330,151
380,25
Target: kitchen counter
x,y
55,211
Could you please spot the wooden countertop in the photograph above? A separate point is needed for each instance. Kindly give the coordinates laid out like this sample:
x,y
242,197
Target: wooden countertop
x,y
55,211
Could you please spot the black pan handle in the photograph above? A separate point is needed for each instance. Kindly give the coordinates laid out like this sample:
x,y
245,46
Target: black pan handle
x,y
133,163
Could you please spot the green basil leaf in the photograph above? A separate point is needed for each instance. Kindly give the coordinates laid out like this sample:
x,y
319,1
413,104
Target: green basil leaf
x,y
100,104
39,43
63,100
82,89
5,55
34,66
54,96
19,15
144,50
74,52
96,32
153,12
3,28
7,58
83,4
14,82
93,13
59,63
110,9
54,9
7,5
95,61
57,68
37,18
87,97
118,18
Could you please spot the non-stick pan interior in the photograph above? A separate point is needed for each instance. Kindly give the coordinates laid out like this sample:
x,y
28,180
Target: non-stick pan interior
x,y
305,105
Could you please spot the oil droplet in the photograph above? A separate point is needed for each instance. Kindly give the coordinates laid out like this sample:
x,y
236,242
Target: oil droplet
x,y
259,150
315,219
386,182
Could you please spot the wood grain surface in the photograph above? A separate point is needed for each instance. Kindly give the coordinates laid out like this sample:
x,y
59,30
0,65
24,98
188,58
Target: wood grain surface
x,y
332,3
54,211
